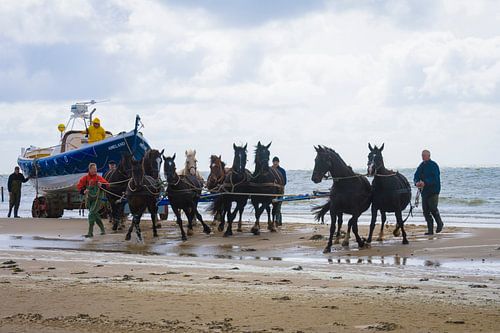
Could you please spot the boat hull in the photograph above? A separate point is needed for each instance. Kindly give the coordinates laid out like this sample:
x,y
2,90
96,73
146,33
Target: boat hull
x,y
61,172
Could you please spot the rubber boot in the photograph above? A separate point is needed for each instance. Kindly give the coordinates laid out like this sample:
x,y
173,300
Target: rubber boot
x,y
430,228
101,226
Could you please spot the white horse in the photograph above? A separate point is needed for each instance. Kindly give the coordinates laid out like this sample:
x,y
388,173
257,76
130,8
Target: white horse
x,y
190,167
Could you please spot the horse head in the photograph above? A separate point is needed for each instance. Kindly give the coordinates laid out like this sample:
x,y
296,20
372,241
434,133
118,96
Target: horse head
x,y
169,168
262,155
137,172
191,162
322,164
152,162
375,159
217,171
240,158
125,165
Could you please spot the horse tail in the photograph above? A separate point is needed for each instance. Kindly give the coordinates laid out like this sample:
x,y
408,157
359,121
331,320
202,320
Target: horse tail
x,y
320,211
216,205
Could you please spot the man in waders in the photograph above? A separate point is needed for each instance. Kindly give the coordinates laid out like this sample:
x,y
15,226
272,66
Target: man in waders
x,y
14,185
276,165
91,186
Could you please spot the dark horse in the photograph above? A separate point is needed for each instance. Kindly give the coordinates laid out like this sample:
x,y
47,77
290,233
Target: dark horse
x,y
265,180
118,179
142,192
391,193
235,182
151,163
183,193
215,179
350,194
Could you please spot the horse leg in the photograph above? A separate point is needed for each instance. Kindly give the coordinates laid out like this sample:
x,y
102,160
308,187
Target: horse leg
x,y
328,247
380,237
153,209
345,243
136,222
339,225
258,212
399,219
270,221
396,231
190,216
230,218
361,241
224,212
206,228
372,223
241,207
130,229
179,222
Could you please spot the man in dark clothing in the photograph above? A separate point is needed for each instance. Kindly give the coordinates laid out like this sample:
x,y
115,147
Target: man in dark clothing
x,y
276,165
14,185
428,181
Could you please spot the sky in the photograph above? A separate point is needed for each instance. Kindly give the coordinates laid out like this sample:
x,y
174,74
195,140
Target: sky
x,y
206,74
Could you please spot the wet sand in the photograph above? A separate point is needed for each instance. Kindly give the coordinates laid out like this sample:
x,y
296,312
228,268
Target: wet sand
x,y
53,280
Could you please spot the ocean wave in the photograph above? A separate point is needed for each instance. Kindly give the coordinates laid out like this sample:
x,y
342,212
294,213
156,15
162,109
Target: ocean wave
x,y
463,201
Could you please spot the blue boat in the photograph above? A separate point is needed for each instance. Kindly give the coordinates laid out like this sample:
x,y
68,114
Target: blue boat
x,y
55,170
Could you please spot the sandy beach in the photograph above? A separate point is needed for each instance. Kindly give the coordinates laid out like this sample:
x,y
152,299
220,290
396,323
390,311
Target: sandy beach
x,y
54,280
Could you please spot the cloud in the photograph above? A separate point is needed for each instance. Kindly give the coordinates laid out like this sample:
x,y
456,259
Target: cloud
x,y
340,74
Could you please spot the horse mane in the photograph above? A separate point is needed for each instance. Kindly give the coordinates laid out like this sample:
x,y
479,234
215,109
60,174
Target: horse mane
x,y
337,157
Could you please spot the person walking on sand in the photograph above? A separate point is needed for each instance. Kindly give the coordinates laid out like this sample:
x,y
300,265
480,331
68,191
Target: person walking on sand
x,y
427,180
276,165
91,186
14,185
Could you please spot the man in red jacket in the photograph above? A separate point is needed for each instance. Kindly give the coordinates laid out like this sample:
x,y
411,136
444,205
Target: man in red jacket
x,y
91,186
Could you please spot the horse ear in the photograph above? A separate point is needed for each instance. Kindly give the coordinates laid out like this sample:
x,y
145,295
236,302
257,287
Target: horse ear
x,y
194,152
234,146
220,157
161,153
269,145
370,146
316,148
246,144
259,144
164,158
173,157
382,147
186,153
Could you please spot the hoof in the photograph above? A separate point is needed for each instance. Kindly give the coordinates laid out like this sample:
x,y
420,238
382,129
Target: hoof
x,y
336,241
396,232
239,229
207,230
155,234
190,232
327,249
379,239
115,227
405,242
255,231
228,233
184,238
220,227
127,237
345,244
158,225
367,245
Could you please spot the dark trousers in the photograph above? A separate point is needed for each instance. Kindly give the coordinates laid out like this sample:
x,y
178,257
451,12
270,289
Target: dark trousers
x,y
14,202
430,209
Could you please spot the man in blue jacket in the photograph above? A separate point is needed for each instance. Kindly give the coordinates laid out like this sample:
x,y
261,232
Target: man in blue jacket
x,y
428,181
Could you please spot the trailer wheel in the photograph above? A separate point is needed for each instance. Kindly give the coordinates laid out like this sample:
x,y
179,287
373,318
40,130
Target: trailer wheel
x,y
39,207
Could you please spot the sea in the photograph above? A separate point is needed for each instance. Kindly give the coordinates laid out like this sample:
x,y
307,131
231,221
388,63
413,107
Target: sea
x,y
470,197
